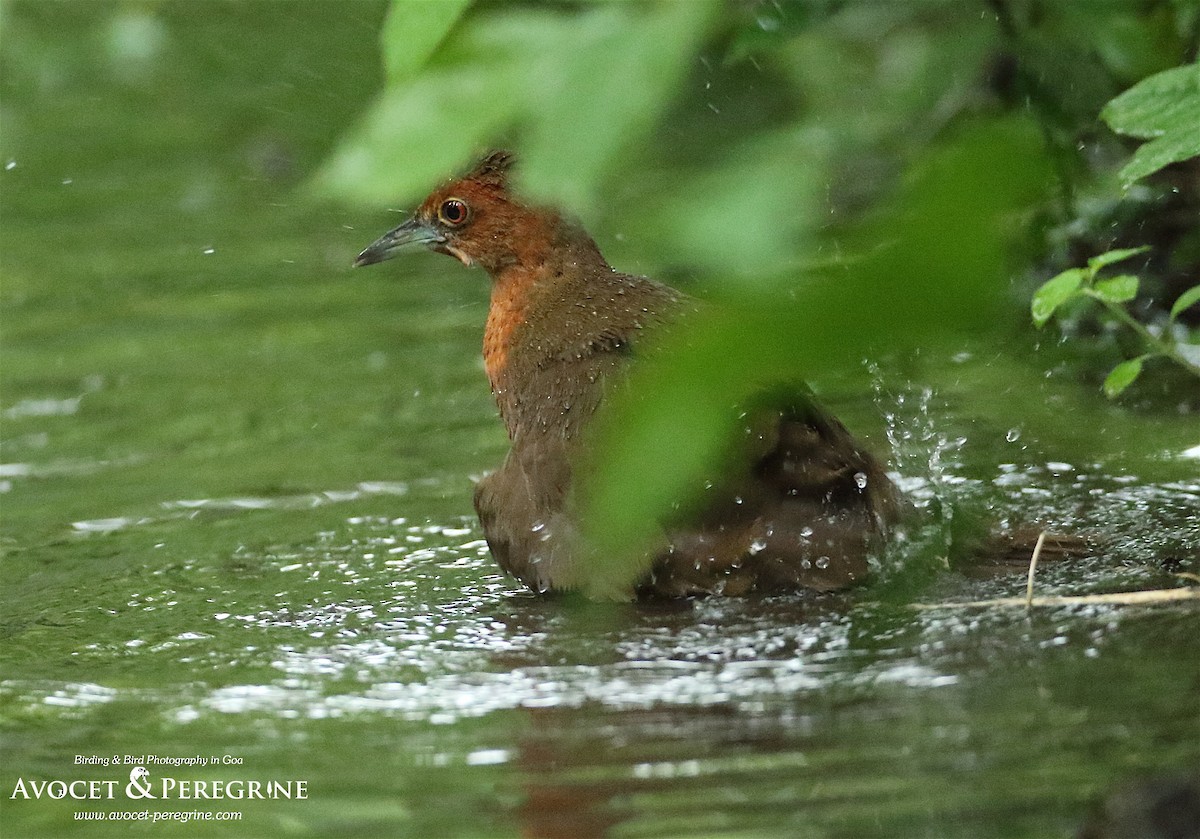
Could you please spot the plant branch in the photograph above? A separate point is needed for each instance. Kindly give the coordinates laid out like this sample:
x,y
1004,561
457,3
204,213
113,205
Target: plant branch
x,y
1160,346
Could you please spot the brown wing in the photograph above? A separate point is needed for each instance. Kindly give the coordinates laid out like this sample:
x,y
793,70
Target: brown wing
x,y
808,508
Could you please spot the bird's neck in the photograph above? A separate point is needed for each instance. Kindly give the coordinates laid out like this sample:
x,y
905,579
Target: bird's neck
x,y
511,290
552,259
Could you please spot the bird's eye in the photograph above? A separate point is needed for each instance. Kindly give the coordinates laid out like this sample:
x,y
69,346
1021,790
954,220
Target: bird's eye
x,y
453,212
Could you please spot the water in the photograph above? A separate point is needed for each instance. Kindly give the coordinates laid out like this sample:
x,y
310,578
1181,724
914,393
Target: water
x,y
236,519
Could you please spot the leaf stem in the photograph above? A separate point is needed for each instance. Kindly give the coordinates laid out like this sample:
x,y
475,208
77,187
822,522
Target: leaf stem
x,y
1160,346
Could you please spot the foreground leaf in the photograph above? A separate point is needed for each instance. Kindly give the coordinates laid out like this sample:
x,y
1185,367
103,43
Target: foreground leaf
x,y
941,276
576,84
617,70
411,33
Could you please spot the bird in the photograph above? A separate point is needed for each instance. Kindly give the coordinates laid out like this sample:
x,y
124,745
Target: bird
x,y
803,504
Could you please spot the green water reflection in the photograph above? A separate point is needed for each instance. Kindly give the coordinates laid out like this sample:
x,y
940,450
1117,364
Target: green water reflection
x,y
236,502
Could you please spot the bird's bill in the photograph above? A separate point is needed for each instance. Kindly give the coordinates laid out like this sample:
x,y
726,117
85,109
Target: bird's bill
x,y
412,232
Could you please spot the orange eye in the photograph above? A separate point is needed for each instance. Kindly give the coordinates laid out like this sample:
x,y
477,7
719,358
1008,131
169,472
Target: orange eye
x,y
453,212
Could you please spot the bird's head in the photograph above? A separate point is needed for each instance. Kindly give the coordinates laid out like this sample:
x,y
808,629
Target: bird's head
x,y
475,219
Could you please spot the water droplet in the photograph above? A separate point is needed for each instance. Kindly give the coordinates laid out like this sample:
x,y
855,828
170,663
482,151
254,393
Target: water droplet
x,y
758,546
860,478
806,532
8,167
1013,435
806,563
822,562
209,251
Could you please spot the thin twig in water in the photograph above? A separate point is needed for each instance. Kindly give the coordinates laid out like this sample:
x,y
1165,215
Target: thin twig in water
x,y
1037,551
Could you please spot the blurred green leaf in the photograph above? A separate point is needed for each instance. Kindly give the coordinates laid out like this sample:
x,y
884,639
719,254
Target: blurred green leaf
x,y
1066,77
381,164
1122,376
618,68
1129,49
1111,257
1119,289
587,93
412,31
481,80
934,268
769,191
1132,42
1054,292
578,83
1164,109
1185,301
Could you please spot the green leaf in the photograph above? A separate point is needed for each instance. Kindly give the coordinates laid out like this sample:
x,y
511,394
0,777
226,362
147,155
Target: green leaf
x,y
413,138
755,174
1164,109
1120,289
1110,257
616,71
1054,292
1122,376
482,80
577,84
1186,300
412,31
1156,154
939,277
1164,102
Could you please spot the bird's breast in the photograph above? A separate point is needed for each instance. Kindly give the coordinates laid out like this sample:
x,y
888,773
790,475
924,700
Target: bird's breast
x,y
506,314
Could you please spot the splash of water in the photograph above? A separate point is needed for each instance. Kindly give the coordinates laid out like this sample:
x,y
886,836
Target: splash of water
x,y
923,460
